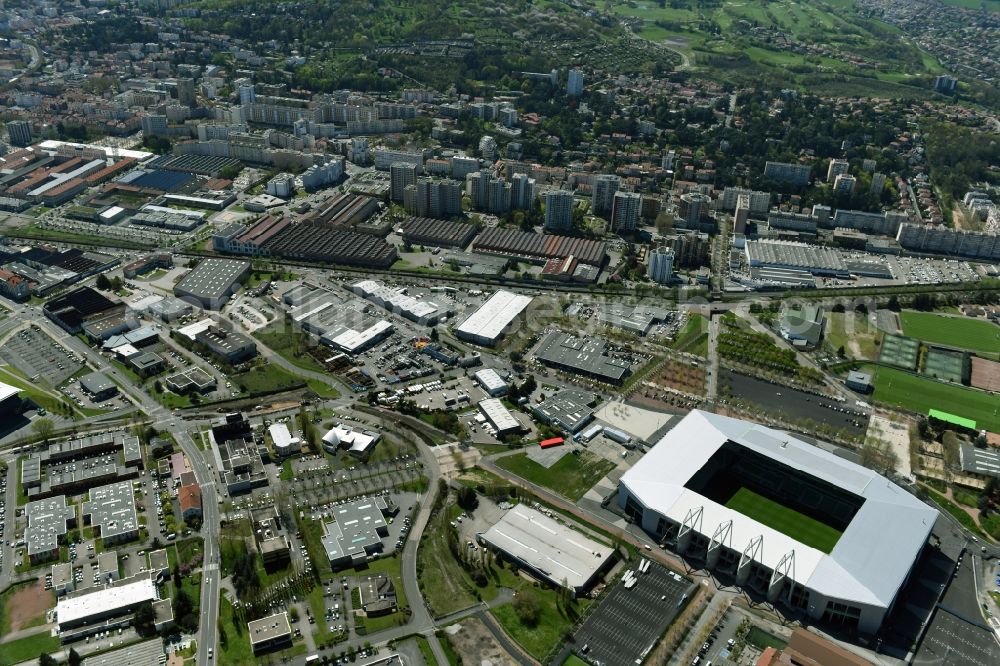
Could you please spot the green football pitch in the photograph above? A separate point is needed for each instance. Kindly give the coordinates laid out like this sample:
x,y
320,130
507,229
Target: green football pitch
x,y
975,334
802,528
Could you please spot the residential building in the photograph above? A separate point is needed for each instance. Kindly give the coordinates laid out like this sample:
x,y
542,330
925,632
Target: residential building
x,y
625,211
843,184
603,194
19,133
401,175
522,192
558,210
791,174
488,149
269,634
574,83
660,265
836,168
878,183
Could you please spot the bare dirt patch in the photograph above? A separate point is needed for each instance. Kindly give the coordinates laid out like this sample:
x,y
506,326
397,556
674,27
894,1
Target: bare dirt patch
x,y
985,374
476,645
26,607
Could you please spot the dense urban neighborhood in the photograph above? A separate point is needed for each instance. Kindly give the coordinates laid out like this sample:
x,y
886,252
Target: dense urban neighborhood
x,y
558,332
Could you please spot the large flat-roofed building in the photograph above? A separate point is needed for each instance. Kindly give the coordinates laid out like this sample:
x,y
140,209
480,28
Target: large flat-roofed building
x,y
491,321
99,386
111,511
212,282
717,489
499,416
394,300
356,531
815,259
95,605
80,307
550,550
270,633
539,248
227,344
569,409
582,356
48,519
491,382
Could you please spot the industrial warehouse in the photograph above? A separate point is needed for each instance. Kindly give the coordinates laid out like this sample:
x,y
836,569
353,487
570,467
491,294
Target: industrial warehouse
x,y
549,549
490,322
539,248
711,488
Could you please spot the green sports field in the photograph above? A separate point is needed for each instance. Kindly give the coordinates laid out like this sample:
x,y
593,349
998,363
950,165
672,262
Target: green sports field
x,y
963,332
800,527
920,394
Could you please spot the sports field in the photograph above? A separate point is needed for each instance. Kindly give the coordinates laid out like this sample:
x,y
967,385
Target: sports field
x,y
961,332
920,394
790,522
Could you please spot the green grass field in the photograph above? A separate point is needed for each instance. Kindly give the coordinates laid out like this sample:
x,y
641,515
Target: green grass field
x,y
571,477
693,338
800,527
30,647
963,332
920,394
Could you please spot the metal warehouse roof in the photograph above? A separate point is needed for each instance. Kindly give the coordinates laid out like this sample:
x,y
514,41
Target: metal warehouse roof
x,y
564,556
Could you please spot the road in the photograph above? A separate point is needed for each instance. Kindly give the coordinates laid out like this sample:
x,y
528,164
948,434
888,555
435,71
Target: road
x,y
211,575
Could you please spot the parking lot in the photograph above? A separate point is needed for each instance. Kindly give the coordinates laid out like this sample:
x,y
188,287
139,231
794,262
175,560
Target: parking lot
x,y
796,405
952,641
630,621
40,358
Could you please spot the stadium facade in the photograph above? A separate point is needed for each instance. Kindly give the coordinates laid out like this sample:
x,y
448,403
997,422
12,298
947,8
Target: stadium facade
x,y
874,530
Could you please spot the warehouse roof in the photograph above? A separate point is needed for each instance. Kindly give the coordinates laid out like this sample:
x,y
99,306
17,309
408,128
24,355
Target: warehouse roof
x,y
494,316
564,556
212,278
583,355
499,415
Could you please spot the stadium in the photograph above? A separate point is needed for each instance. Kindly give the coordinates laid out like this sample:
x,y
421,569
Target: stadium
x,y
788,520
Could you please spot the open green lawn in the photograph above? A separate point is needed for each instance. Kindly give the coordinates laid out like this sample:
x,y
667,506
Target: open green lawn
x,y
266,379
548,632
853,332
28,648
800,527
693,338
963,332
235,649
290,343
571,477
920,394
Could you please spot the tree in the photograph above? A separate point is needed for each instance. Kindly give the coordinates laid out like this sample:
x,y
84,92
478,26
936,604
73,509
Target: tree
x,y
145,619
47,660
103,282
893,303
841,352
74,658
467,498
43,428
527,608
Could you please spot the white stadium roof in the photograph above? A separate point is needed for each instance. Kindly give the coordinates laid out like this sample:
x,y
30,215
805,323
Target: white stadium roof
x,y
873,556
6,391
